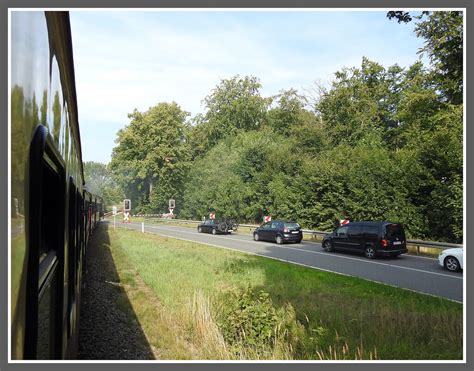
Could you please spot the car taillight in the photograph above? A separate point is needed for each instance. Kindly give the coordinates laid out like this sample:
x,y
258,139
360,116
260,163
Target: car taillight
x,y
384,243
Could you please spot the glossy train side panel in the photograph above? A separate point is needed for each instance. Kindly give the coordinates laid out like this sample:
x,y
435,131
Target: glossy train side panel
x,y
46,187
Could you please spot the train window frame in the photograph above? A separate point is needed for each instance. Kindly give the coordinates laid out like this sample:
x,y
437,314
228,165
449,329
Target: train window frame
x,y
45,247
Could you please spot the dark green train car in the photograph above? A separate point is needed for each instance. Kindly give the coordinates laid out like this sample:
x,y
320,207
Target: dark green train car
x,y
49,217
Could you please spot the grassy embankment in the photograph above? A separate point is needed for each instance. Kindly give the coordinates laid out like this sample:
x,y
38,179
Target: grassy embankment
x,y
199,302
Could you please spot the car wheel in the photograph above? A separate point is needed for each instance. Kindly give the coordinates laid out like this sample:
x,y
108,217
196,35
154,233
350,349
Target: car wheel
x,y
199,230
279,240
256,237
214,231
327,246
369,252
299,241
452,264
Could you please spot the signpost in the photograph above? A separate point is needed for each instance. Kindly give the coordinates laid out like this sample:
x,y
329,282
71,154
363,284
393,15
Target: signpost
x,y
127,206
114,212
171,205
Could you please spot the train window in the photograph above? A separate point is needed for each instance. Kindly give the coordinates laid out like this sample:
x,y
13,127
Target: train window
x,y
45,226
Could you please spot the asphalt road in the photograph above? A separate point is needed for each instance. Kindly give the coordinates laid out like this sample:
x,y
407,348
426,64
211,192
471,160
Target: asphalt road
x,y
420,274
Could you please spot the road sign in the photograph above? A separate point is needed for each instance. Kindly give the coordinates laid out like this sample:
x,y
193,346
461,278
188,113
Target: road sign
x,y
126,217
127,205
114,210
212,215
171,210
344,221
171,204
267,218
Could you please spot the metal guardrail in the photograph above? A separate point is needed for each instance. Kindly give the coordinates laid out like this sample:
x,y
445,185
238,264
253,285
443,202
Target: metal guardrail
x,y
417,243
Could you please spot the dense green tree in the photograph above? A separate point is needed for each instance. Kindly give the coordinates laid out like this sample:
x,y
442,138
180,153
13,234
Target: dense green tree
x,y
212,185
358,105
234,105
151,155
443,34
364,182
288,112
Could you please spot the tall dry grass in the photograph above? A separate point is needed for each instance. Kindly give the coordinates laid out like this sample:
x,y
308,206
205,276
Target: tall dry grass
x,y
204,330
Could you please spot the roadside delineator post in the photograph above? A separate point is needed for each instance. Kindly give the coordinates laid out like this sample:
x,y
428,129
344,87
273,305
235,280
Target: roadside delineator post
x,y
143,227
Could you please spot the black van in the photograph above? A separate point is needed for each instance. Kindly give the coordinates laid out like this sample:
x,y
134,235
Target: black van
x,y
371,238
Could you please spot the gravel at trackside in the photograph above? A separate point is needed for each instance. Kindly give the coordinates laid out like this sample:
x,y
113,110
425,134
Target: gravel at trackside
x,y
105,331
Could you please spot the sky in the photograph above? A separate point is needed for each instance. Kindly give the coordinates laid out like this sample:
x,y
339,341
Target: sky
x,y
126,60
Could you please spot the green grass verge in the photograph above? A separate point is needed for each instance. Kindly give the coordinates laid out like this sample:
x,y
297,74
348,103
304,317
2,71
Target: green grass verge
x,y
200,302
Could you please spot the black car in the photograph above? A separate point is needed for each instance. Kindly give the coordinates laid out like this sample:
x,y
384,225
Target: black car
x,y
216,226
370,238
279,231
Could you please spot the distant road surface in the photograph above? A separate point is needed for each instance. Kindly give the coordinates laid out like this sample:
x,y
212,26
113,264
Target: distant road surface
x,y
420,274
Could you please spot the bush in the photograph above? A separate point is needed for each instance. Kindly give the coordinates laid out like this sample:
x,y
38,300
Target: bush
x,y
251,325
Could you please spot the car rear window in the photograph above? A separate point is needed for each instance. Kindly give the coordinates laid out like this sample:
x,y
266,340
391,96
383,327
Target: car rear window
x,y
393,231
292,225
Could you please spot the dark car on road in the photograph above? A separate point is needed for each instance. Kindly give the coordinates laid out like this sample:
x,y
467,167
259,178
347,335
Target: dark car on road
x,y
279,231
371,238
216,226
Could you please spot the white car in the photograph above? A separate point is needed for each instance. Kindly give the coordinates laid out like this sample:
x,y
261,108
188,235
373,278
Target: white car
x,y
452,259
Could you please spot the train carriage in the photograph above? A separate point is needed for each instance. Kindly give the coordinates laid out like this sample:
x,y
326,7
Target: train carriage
x,y
49,222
